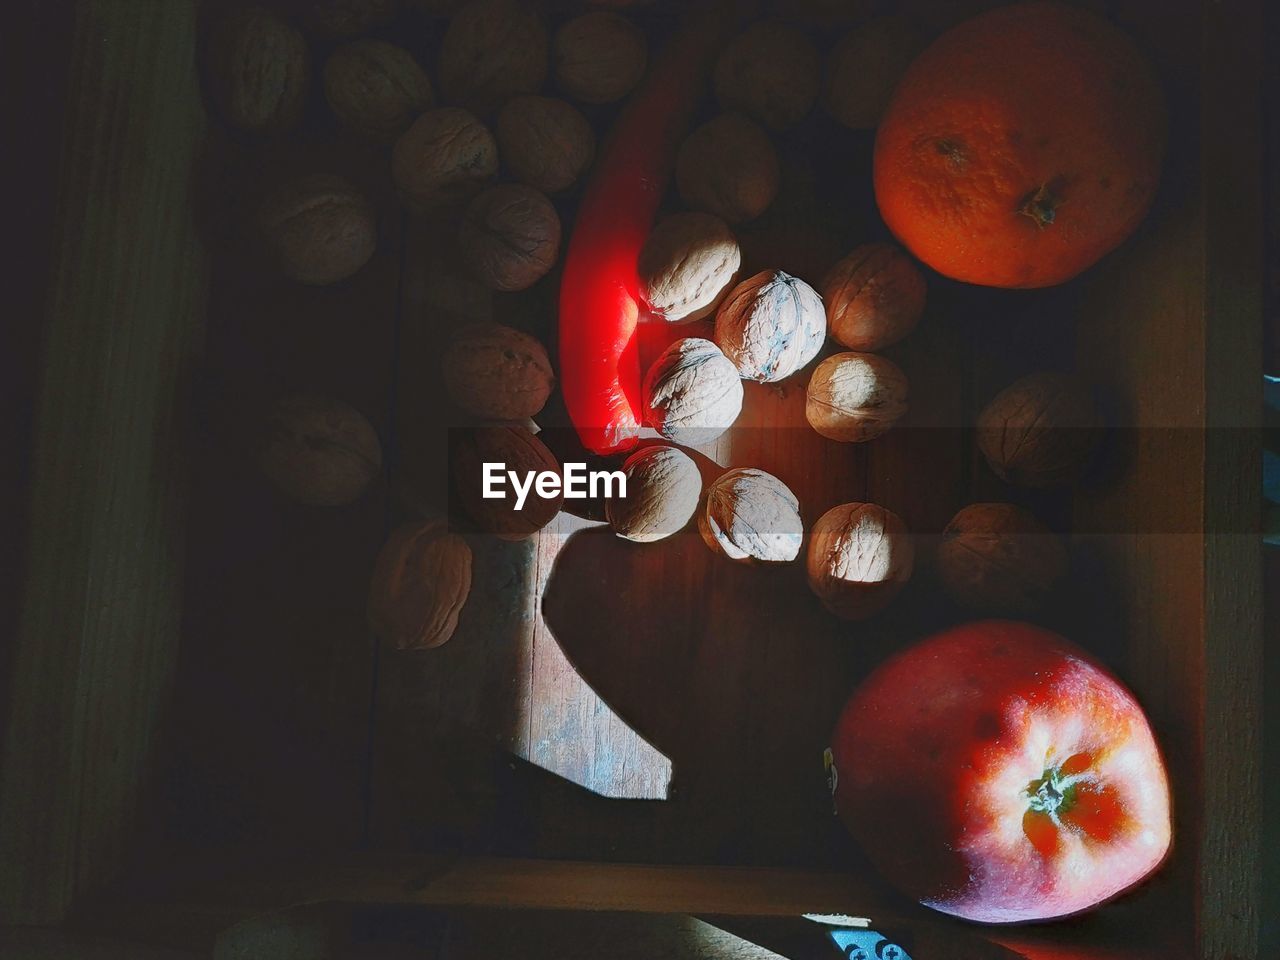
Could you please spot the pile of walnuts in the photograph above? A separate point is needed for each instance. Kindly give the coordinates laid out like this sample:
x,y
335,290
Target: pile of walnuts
x,y
485,139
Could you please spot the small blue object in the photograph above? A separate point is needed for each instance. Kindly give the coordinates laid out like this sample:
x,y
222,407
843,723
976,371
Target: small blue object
x,y
867,945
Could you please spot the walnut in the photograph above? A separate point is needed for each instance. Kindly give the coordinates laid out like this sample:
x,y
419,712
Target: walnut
x,y
771,71
874,297
517,450
445,156
599,57
998,558
728,167
770,326
350,18
854,397
493,50
687,266
545,143
497,373
375,88
258,70
509,237
319,229
320,452
419,586
860,556
663,489
752,516
865,67
692,393
1040,431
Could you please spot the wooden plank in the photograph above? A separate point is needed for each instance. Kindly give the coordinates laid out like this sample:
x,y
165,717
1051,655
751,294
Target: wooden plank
x,y
46,943
98,631
1172,325
532,935
40,46
551,885
1231,848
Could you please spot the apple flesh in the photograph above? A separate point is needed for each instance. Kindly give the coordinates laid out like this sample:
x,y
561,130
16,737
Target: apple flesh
x,y
998,773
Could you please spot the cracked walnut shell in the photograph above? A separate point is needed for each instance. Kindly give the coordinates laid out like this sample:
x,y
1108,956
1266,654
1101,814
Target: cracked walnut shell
x,y
497,373
854,397
445,156
509,237
259,69
687,265
544,142
874,297
319,229
375,88
771,71
599,57
770,326
728,167
420,584
1040,431
860,556
320,452
998,558
752,516
692,393
663,489
492,51
519,451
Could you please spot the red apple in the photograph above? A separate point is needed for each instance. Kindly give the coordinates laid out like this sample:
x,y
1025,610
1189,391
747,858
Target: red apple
x,y
998,773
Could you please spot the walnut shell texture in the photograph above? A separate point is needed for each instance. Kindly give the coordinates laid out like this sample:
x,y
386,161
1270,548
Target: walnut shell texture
x,y
320,452
687,265
692,393
860,556
864,69
545,142
663,489
319,229
874,297
771,325
1040,431
599,57
420,584
492,51
350,18
520,451
770,71
728,167
753,517
854,397
444,157
509,237
999,558
259,69
496,372
375,88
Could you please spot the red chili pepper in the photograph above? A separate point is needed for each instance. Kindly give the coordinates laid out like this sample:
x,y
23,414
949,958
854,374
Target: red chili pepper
x,y
599,304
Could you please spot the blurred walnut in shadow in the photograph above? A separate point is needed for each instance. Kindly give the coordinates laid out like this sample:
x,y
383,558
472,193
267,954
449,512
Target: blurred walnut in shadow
x,y
258,70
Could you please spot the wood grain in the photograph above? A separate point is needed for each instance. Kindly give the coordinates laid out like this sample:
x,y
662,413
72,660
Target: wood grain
x,y
1231,844
99,628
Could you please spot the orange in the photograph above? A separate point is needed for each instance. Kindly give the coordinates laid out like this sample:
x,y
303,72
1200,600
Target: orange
x,y
1021,147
